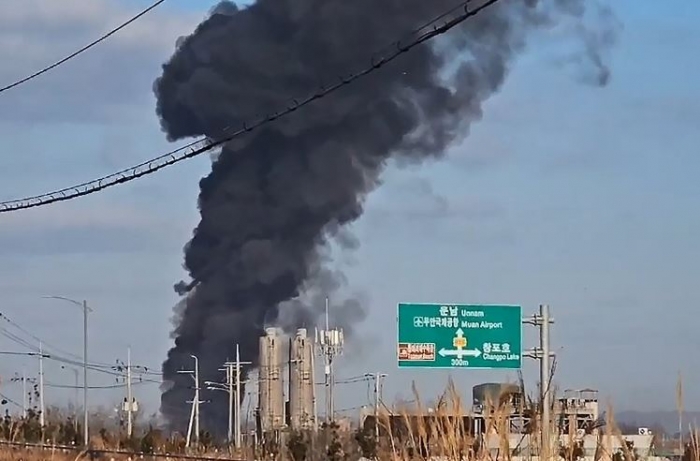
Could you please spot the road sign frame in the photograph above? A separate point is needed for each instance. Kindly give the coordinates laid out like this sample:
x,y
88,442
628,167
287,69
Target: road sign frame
x,y
478,306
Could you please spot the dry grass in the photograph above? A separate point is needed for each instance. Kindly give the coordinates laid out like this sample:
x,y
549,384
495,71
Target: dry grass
x,y
446,436
20,454
57,454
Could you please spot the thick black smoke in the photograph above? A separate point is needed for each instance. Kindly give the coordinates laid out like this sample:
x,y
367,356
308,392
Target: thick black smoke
x,y
275,197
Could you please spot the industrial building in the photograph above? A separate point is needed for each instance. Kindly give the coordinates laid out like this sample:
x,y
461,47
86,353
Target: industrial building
x,y
575,415
287,370
295,355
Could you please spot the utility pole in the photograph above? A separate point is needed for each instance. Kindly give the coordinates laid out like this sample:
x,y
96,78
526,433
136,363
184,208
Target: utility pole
x,y
24,393
313,394
377,377
196,398
194,415
233,387
23,379
238,395
679,407
543,353
229,388
42,418
189,425
328,372
75,398
129,397
314,435
76,379
130,406
86,428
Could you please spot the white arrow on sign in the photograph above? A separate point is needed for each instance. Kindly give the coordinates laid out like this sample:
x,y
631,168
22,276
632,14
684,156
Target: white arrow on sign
x,y
459,353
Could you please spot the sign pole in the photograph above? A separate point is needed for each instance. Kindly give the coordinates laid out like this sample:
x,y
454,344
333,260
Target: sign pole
x,y
543,353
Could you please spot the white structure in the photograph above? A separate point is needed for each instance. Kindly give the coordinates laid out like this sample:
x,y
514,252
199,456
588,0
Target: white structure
x,y
578,420
577,410
607,446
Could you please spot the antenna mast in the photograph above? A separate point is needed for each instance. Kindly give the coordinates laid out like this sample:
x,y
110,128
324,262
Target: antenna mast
x,y
330,344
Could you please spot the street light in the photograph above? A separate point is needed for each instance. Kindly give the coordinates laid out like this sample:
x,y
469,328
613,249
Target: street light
x,y
82,305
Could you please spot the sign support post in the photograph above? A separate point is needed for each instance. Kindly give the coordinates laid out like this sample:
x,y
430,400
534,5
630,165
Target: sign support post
x,y
543,354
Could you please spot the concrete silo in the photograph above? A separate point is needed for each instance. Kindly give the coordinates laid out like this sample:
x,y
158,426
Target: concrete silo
x,y
271,387
301,381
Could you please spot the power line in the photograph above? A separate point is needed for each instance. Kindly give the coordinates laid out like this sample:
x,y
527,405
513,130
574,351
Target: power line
x,y
4,397
112,370
45,343
57,358
203,145
200,142
353,380
81,50
108,386
16,339
22,342
116,369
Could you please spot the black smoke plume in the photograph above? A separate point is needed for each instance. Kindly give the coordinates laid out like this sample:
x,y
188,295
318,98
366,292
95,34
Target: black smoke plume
x,y
275,197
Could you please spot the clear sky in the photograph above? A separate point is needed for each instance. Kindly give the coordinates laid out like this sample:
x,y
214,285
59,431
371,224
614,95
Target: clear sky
x,y
575,196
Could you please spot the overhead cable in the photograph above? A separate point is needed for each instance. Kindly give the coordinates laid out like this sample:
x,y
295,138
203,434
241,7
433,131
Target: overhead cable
x,y
46,345
9,400
34,350
64,356
108,386
203,145
81,50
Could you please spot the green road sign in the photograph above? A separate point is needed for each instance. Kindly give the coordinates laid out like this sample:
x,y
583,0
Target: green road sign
x,y
459,336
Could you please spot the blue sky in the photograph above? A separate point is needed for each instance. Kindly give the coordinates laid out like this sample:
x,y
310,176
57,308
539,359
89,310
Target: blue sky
x,y
575,196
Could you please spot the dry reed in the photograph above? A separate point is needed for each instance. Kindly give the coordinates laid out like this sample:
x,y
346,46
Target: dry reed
x,y
440,433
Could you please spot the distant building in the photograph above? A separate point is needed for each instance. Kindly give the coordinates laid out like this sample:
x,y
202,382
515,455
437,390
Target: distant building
x,y
575,415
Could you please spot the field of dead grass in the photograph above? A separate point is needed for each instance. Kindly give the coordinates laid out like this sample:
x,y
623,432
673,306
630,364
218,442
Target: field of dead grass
x,y
445,436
